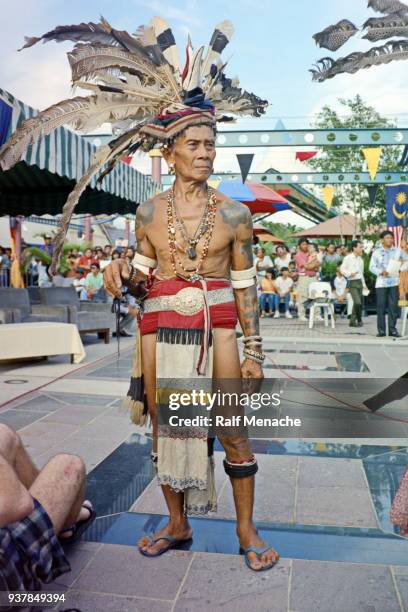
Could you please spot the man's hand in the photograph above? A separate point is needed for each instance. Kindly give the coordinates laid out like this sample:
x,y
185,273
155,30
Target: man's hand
x,y
251,369
115,275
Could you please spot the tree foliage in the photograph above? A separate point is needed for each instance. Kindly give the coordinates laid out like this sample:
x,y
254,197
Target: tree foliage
x,y
332,158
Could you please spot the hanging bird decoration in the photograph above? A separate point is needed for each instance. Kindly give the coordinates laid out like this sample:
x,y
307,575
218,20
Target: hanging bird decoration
x,y
135,82
335,36
387,6
393,23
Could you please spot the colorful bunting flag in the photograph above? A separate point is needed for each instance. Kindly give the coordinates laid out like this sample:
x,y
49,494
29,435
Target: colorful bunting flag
x,y
328,195
245,161
372,156
372,193
305,155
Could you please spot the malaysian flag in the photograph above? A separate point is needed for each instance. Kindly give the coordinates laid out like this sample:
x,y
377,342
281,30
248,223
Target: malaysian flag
x,y
397,206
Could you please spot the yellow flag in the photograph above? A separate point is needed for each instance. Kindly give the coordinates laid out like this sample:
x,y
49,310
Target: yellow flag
x,y
372,156
328,195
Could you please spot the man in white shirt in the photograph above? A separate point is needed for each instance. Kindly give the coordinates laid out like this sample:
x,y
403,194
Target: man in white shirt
x,y
262,263
284,286
386,286
353,269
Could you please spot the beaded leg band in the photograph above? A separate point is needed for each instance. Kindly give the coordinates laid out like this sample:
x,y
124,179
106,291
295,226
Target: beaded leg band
x,y
241,469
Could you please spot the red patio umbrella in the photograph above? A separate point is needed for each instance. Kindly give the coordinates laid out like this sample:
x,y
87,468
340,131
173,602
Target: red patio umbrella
x,y
267,200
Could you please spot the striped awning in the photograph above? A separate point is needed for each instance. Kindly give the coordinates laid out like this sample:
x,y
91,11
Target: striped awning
x,y
66,154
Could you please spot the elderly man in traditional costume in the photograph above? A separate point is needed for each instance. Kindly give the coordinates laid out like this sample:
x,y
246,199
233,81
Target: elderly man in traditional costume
x,y
194,251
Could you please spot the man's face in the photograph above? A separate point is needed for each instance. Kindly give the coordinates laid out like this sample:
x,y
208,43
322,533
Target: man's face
x,y
285,273
88,253
304,246
330,249
358,250
94,270
388,241
193,154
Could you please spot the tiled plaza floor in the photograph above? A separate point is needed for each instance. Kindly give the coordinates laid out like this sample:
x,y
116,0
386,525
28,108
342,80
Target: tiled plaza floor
x,y
323,503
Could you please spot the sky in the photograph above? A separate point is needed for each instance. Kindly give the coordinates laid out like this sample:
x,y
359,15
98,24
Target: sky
x,y
271,52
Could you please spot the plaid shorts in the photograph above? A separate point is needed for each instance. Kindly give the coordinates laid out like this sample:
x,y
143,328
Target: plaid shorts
x,y
30,553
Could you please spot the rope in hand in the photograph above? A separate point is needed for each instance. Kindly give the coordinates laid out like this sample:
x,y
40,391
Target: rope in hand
x,y
116,312
333,397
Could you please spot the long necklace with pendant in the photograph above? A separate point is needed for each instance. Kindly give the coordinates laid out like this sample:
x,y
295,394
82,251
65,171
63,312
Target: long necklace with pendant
x,y
198,234
208,232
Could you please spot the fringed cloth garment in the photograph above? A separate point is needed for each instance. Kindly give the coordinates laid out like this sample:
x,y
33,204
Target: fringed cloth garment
x,y
403,288
182,314
399,509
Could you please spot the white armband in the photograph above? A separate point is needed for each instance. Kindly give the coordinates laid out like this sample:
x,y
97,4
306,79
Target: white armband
x,y
242,279
143,263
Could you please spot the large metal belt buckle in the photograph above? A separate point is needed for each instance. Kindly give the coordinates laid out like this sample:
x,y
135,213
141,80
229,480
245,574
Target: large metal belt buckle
x,y
188,301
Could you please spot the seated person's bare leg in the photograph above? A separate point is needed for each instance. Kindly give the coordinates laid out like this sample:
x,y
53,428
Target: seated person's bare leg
x,y
178,525
60,489
238,449
12,449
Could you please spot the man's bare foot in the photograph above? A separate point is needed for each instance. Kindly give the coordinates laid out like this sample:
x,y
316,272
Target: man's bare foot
x,y
179,530
248,536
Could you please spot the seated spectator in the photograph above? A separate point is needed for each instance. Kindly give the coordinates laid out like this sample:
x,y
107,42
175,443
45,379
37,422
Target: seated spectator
x,y
79,280
130,253
98,253
71,261
107,252
282,257
115,254
269,293
284,285
86,260
93,286
39,512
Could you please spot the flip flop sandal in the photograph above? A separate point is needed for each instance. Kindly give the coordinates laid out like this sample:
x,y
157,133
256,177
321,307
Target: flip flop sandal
x,y
79,527
258,551
173,543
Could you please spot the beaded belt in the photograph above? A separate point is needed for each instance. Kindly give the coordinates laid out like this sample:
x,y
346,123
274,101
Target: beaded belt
x,y
188,301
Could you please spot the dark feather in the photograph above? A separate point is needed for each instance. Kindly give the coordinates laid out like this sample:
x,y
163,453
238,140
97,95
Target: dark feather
x,y
327,68
335,36
380,28
387,6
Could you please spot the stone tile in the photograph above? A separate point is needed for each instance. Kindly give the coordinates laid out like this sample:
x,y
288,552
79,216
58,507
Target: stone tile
x,y
75,415
41,402
53,432
16,419
126,572
78,557
97,388
81,398
274,491
319,586
223,582
108,427
345,506
401,579
326,472
95,602
92,451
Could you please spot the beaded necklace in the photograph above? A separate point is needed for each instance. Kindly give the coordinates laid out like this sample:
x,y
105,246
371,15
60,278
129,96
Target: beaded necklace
x,y
211,207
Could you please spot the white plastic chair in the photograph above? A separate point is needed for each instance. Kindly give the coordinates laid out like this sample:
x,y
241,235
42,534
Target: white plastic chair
x,y
404,317
318,293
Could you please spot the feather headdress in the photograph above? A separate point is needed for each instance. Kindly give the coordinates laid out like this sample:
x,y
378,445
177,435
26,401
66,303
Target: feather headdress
x,y
394,23
136,84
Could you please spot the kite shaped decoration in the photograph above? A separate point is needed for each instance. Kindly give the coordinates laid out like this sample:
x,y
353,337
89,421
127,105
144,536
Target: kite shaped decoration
x,y
333,37
137,84
393,23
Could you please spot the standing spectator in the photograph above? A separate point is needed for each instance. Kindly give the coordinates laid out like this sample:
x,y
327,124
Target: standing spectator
x,y
344,250
93,288
107,251
284,285
331,255
307,267
338,252
387,282
86,260
262,263
47,247
353,269
282,257
269,293
322,251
